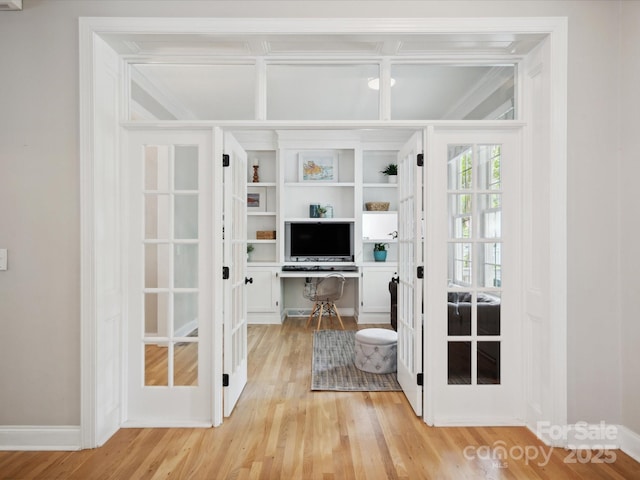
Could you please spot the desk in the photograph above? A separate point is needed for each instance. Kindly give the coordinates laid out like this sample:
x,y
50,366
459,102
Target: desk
x,y
317,273
292,285
276,293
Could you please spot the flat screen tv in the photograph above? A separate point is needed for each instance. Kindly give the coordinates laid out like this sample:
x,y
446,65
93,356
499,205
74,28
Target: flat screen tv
x,y
320,241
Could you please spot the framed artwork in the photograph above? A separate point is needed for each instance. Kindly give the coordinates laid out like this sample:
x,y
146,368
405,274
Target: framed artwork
x,y
256,199
318,166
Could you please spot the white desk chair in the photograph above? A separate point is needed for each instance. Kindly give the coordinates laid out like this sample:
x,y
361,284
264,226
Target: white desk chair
x,y
324,292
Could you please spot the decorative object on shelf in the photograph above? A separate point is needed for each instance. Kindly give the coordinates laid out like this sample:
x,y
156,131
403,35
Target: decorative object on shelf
x,y
377,206
313,210
391,171
256,166
380,252
266,235
250,249
322,212
257,199
318,166
328,211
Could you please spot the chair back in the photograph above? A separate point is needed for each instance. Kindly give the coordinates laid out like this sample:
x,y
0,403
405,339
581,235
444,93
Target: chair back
x,y
330,288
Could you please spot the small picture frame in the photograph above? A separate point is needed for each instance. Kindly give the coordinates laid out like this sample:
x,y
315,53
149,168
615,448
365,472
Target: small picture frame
x,y
256,199
318,166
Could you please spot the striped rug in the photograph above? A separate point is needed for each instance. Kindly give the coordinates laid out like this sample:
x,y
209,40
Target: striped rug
x,y
333,368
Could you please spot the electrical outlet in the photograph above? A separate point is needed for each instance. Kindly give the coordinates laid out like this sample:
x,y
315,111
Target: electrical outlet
x,y
3,258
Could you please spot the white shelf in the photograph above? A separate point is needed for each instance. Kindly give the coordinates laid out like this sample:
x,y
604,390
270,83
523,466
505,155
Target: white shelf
x,y
256,240
379,185
319,220
320,184
261,184
261,214
262,263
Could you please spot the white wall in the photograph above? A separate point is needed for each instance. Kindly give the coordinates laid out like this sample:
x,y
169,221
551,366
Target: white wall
x,y
39,178
629,219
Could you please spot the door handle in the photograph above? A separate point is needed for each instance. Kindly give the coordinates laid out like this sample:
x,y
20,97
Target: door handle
x,y
248,280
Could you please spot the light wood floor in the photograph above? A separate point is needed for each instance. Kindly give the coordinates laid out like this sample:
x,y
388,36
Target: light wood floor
x,y
282,430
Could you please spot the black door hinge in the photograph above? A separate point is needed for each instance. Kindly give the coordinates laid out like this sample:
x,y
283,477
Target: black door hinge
x,y
420,159
420,272
225,379
420,379
226,160
225,273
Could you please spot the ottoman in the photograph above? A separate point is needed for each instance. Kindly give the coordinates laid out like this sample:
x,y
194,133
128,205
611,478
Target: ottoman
x,y
376,350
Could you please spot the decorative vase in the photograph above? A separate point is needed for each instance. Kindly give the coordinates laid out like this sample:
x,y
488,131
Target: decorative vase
x,y
380,255
313,211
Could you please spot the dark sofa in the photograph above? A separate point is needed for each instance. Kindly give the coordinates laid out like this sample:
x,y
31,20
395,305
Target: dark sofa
x,y
459,314
488,323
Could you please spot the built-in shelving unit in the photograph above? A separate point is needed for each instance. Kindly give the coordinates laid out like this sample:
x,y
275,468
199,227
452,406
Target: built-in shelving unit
x,y
349,175
376,187
262,204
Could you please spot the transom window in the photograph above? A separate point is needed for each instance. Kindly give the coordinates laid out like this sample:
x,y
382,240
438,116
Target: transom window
x,y
350,90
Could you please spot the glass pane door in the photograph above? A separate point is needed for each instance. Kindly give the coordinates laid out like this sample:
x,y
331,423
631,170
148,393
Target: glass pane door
x,y
473,306
171,246
170,210
474,201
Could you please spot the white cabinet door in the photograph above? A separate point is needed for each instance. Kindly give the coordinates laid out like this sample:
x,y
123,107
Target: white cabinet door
x,y
263,295
261,292
375,288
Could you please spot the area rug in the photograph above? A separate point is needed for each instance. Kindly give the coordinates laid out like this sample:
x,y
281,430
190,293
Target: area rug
x,y
333,367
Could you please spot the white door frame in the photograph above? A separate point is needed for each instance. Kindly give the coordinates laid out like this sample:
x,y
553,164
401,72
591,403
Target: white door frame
x,y
96,131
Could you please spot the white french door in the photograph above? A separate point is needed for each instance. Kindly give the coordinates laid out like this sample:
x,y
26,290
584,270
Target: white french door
x,y
473,277
171,208
410,211
235,259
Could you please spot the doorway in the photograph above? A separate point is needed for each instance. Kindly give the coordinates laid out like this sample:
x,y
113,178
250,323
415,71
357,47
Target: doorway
x,y
101,308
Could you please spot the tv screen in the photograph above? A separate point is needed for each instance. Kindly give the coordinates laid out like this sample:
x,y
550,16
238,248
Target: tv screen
x,y
320,241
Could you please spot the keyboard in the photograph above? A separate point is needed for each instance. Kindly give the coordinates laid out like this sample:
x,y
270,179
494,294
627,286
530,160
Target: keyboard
x,y
319,268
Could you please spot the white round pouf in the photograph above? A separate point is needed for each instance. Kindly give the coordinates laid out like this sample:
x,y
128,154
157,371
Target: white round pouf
x,y
376,350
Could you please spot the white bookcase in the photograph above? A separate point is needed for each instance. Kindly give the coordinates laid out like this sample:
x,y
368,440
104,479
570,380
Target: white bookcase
x,y
351,167
262,205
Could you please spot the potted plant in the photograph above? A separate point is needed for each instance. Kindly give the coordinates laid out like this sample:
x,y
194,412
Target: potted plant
x,y
250,249
322,211
380,252
391,171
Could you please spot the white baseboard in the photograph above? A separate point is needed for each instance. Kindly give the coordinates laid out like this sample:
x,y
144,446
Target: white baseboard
x,y
305,312
629,442
186,330
595,437
21,437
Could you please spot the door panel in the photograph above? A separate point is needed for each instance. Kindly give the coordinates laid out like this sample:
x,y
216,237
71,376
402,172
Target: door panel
x,y
235,257
410,340
472,300
170,257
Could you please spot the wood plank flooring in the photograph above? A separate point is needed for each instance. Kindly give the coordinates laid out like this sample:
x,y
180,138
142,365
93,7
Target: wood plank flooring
x,y
282,430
